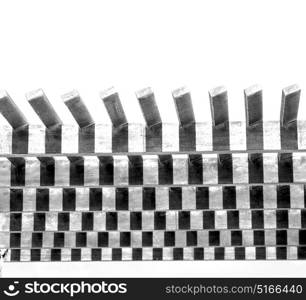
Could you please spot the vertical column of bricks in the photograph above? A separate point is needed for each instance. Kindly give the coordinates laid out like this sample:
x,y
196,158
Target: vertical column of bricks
x,y
184,109
117,116
50,119
220,118
85,121
254,120
152,118
288,117
18,122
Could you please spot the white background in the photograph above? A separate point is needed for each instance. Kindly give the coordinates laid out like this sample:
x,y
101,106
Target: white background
x,y
92,45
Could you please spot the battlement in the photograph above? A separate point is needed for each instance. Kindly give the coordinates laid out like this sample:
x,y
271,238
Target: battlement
x,y
189,190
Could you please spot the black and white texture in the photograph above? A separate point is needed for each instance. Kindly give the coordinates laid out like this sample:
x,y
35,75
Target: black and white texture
x,y
155,191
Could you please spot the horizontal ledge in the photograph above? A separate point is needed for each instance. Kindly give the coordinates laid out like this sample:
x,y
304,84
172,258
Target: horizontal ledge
x,y
156,210
188,247
152,185
163,260
153,153
208,254
166,247
159,230
169,247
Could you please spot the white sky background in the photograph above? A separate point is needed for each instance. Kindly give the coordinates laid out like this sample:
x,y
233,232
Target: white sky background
x,y
92,45
61,45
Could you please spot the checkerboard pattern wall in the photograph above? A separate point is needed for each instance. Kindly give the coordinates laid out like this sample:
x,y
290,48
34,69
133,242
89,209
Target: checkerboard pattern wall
x,y
155,191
